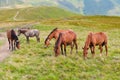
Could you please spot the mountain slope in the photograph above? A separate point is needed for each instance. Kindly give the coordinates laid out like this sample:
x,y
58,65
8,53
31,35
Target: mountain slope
x,y
34,13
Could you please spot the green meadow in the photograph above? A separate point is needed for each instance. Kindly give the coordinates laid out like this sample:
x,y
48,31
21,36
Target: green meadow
x,y
34,62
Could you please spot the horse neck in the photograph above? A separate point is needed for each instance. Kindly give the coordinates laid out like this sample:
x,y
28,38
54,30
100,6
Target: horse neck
x,y
52,35
87,43
23,31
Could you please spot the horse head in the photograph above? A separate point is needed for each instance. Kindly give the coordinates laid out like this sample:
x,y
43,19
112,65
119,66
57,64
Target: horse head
x,y
85,51
47,42
57,51
50,36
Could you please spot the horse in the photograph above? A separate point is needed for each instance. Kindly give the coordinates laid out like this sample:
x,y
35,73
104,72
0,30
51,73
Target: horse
x,y
13,40
65,38
29,33
53,34
95,39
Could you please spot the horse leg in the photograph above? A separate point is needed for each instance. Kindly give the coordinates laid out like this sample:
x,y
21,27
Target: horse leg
x,y
106,48
91,48
12,45
61,49
72,45
27,39
101,49
76,46
93,54
65,49
9,43
37,38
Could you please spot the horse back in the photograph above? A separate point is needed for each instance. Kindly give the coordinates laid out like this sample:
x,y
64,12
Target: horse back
x,y
68,36
33,32
99,38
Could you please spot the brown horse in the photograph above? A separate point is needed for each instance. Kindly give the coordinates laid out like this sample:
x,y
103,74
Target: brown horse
x,y
13,39
65,38
94,39
29,33
53,34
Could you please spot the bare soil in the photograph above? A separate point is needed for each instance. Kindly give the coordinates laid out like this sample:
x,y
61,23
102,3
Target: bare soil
x,y
4,50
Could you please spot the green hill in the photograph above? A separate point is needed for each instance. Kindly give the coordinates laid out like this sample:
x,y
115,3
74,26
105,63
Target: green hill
x,y
33,13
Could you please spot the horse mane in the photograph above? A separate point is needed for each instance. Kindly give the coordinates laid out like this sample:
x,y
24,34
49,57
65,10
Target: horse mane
x,y
13,35
58,40
51,33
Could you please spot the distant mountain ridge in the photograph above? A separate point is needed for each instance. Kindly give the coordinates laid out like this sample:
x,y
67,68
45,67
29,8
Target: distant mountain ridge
x,y
87,7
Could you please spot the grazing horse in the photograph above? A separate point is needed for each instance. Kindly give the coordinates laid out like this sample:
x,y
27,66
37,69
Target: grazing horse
x,y
13,39
29,33
65,38
94,39
53,34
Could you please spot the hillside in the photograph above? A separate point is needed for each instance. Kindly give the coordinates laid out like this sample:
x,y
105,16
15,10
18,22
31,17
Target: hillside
x,y
34,13
86,7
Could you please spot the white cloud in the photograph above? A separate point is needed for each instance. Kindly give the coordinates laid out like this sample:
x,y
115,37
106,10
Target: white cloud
x,y
115,11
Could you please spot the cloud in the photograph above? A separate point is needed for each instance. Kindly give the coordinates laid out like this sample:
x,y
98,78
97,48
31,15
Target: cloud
x,y
114,11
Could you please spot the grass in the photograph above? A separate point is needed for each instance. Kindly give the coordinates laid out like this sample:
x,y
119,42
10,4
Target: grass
x,y
34,62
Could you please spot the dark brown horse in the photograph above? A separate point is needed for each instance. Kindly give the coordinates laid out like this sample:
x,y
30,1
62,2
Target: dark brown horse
x,y
53,34
13,39
29,33
65,38
94,39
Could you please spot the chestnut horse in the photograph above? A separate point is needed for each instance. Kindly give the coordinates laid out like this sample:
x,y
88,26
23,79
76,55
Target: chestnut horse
x,y
13,39
94,39
65,38
29,33
53,34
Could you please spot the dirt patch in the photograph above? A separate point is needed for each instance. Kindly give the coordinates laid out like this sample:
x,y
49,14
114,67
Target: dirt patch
x,y
4,51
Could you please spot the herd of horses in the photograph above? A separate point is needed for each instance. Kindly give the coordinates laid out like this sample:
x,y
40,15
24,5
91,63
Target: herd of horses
x,y
63,38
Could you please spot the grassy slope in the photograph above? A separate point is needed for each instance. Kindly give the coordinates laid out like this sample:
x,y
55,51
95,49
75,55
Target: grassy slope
x,y
33,13
34,62
6,15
